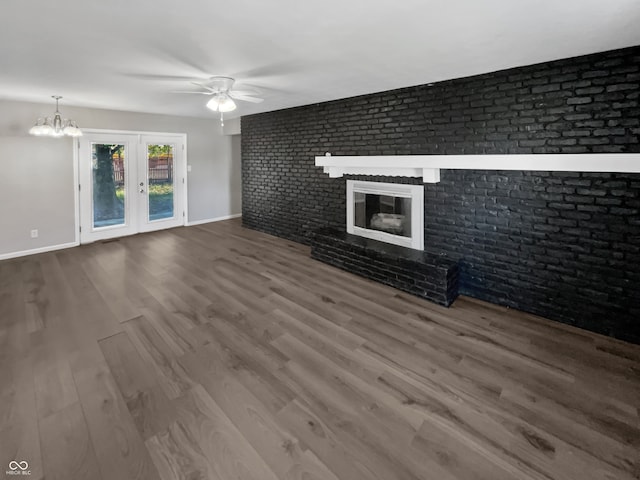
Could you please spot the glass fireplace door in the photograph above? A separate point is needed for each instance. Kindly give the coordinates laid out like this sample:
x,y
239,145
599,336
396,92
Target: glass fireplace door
x,y
385,213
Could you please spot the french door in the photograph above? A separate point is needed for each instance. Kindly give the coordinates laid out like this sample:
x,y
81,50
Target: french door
x,y
130,183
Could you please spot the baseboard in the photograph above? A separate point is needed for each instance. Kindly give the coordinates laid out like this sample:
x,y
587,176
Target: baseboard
x,y
51,248
209,220
33,251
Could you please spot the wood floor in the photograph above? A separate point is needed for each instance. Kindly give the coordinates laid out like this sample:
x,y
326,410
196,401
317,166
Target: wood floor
x,y
215,352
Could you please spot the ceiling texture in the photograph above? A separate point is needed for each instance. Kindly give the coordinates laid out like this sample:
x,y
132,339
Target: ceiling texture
x,y
130,55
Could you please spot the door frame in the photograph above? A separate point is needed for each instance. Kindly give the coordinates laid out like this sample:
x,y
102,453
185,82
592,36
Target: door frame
x,y
76,169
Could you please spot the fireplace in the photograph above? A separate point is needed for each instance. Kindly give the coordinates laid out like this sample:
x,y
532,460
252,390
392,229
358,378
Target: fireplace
x,y
384,242
388,212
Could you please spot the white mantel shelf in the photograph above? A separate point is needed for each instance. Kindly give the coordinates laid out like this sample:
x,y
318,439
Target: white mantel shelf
x,y
428,166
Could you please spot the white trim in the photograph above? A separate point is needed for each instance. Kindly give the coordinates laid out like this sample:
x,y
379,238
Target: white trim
x,y
33,251
414,192
185,175
428,166
131,132
210,220
76,188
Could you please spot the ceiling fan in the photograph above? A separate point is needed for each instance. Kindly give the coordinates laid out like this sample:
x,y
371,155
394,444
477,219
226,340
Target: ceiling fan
x,y
223,95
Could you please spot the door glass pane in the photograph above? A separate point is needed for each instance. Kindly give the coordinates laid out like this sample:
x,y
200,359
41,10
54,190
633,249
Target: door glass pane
x,y
108,161
160,181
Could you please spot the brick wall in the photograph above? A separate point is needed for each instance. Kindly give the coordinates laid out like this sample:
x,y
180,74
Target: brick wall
x,y
562,245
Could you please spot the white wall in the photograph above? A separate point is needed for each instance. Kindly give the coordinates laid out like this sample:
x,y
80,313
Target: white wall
x,y
232,126
36,174
236,173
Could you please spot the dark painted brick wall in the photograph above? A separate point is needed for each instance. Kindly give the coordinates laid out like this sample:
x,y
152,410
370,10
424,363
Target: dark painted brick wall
x,y
562,245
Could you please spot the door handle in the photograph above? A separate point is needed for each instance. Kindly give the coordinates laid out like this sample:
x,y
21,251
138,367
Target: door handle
x,y
142,190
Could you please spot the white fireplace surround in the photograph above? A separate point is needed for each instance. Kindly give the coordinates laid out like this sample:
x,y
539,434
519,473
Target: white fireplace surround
x,y
413,192
428,166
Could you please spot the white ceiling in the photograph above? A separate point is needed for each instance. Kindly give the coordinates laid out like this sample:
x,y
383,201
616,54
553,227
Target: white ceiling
x,y
129,55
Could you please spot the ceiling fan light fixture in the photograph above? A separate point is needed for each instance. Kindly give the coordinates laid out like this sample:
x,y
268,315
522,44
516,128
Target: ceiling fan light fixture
x,y
226,104
221,102
213,103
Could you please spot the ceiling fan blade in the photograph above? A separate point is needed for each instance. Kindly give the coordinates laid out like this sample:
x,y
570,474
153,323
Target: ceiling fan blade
x,y
188,91
245,98
202,85
251,93
156,77
270,70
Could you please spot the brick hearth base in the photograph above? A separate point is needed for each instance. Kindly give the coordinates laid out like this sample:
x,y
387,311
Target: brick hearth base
x,y
425,274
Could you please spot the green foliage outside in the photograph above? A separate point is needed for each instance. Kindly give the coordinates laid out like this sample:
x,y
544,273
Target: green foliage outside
x,y
157,191
157,150
160,200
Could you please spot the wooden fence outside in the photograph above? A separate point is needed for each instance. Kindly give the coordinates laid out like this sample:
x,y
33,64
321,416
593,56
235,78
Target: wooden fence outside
x,y
160,174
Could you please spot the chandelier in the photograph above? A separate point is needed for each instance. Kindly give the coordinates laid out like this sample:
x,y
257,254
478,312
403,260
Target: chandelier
x,y
56,126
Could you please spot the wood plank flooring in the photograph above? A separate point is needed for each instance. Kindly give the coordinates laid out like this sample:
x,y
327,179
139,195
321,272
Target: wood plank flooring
x,y
216,352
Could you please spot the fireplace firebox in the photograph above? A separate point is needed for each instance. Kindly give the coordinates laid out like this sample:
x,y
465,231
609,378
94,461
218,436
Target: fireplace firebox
x,y
388,212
